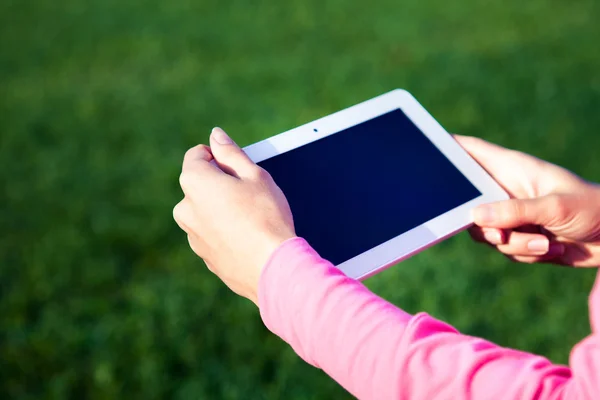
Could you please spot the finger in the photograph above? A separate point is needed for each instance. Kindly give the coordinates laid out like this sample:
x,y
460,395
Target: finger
x,y
514,213
527,244
195,245
490,156
229,156
197,154
183,214
491,236
546,259
210,267
576,255
197,168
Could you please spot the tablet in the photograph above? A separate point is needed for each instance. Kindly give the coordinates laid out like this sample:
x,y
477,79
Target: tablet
x,y
375,183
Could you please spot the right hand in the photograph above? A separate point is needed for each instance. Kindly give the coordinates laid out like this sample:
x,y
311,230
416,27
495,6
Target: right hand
x,y
234,214
552,216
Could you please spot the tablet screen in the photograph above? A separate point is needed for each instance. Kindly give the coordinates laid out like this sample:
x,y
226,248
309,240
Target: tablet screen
x,y
367,184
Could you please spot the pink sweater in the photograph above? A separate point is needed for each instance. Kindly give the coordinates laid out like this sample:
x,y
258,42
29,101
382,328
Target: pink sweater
x,y
377,351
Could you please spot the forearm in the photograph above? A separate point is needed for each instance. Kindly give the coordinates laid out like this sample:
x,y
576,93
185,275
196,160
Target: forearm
x,y
377,351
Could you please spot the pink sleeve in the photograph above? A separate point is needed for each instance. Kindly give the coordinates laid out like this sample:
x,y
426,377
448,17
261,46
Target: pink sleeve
x,y
377,351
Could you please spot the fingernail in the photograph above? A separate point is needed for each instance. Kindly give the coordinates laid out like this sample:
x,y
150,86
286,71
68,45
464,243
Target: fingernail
x,y
484,214
493,237
539,246
220,136
556,249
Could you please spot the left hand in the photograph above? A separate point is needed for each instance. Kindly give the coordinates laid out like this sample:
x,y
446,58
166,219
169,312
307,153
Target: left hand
x,y
553,215
233,212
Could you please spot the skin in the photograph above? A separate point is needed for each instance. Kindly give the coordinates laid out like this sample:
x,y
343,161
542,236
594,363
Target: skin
x,y
553,216
235,216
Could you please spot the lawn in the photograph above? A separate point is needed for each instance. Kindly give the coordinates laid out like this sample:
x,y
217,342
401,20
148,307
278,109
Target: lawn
x,y
100,297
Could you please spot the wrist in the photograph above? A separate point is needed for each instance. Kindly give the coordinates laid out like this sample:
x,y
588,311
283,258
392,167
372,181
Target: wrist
x,y
270,248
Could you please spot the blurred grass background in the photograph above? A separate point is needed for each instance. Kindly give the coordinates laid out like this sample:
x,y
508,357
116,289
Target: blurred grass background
x,y
101,298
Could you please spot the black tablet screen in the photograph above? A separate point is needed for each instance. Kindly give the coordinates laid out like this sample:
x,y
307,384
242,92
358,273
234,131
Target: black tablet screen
x,y
367,184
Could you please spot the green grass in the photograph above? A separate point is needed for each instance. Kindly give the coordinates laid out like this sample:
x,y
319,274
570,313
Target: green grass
x,y
100,297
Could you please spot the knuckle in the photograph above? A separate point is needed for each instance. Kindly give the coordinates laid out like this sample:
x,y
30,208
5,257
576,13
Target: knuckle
x,y
189,180
189,154
184,180
260,174
199,151
506,249
179,214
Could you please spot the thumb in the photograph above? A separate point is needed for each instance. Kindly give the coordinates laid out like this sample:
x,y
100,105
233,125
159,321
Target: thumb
x,y
518,212
228,155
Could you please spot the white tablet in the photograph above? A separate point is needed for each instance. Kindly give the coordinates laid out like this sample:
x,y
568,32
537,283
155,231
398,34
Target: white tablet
x,y
375,183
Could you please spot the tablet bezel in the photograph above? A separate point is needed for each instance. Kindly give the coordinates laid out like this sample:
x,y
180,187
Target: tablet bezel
x,y
431,232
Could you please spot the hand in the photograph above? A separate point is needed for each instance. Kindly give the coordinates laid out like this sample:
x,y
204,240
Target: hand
x,y
234,214
553,216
